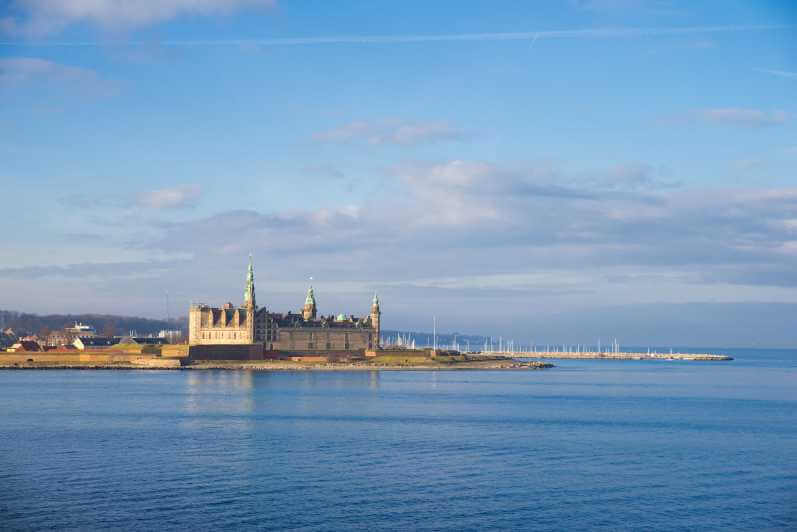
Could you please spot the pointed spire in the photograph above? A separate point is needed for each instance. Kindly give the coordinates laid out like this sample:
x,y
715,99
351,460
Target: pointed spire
x,y
249,292
375,302
310,299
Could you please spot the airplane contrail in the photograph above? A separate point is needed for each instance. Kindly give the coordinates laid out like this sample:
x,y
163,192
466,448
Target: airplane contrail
x,y
605,33
781,73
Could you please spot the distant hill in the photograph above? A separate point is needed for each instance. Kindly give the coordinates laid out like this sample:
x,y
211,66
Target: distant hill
x,y
106,324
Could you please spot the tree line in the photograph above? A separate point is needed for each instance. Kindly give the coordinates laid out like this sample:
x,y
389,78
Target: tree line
x,y
106,324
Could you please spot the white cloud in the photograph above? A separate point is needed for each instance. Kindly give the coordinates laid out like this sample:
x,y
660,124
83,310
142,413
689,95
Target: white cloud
x,y
742,116
402,133
171,198
17,70
460,220
455,173
41,17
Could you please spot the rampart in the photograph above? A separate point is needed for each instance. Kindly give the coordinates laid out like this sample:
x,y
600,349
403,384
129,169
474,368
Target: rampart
x,y
70,358
227,352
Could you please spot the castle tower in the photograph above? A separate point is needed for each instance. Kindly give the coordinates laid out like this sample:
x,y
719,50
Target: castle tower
x,y
249,292
309,310
249,301
376,315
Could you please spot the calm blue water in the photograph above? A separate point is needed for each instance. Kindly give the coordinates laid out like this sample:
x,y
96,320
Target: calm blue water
x,y
588,445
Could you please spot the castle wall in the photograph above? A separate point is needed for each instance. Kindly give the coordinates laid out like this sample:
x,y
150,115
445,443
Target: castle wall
x,y
226,352
321,339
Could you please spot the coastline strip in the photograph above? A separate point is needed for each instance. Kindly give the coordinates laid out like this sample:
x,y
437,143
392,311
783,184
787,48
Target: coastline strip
x,y
697,357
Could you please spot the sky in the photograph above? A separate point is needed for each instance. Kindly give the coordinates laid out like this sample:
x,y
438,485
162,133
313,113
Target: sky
x,y
550,171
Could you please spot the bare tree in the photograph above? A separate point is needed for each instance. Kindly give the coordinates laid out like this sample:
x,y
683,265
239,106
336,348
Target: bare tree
x,y
109,329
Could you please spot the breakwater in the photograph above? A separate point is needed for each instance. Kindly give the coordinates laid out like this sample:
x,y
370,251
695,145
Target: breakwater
x,y
705,357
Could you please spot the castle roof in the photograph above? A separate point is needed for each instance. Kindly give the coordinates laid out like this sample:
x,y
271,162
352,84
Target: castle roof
x,y
98,341
296,320
26,345
142,340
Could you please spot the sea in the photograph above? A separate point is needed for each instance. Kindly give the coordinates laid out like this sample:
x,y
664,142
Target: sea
x,y
587,445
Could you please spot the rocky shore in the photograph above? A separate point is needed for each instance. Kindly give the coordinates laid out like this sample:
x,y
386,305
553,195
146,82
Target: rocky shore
x,y
276,365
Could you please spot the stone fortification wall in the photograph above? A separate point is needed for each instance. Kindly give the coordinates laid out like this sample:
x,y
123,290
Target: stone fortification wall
x,y
332,356
257,352
400,352
226,352
322,339
174,350
70,358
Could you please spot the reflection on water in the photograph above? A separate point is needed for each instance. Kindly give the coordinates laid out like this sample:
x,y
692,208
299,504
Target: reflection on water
x,y
220,380
219,391
339,380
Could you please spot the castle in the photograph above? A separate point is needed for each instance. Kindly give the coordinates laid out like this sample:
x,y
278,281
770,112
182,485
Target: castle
x,y
300,332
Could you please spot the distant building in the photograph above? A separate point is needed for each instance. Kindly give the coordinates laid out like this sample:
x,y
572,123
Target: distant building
x,y
6,341
91,343
303,331
58,338
172,336
34,338
25,346
68,335
81,329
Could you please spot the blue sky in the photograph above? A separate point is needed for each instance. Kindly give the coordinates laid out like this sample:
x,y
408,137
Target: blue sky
x,y
551,171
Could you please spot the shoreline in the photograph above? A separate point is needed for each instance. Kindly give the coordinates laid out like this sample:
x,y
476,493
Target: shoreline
x,y
234,365
691,357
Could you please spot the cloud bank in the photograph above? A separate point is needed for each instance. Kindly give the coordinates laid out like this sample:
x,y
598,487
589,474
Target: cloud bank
x,y
474,238
471,218
43,17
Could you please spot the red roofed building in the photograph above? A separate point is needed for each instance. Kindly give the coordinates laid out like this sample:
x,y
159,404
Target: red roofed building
x,y
25,346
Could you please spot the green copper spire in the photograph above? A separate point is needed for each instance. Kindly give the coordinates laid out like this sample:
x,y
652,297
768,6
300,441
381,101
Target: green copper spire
x,y
249,293
310,299
375,302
